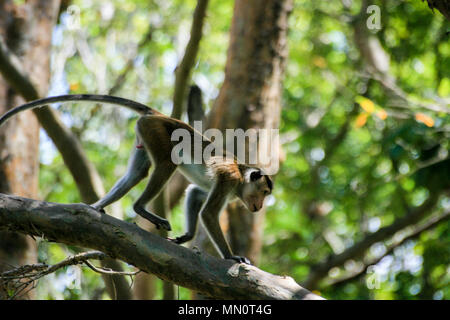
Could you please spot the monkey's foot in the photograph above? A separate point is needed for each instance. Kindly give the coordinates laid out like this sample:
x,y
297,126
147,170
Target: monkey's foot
x,y
101,210
182,239
159,222
162,224
241,259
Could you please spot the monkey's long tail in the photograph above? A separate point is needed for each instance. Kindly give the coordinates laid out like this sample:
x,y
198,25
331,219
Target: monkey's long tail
x,y
130,104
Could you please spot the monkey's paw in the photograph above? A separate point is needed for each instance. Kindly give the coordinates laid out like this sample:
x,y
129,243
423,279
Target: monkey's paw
x,y
241,259
163,224
101,210
182,239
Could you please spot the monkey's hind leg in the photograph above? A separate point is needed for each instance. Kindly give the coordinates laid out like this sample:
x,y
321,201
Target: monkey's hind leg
x,y
153,134
138,167
158,179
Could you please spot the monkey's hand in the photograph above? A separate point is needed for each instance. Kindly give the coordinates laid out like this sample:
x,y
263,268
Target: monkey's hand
x,y
241,259
182,239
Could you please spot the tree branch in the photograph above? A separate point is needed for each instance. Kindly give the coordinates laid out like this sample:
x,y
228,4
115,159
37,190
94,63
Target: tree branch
x,y
83,172
320,270
120,80
19,279
183,70
80,225
12,70
378,67
432,223
39,270
16,282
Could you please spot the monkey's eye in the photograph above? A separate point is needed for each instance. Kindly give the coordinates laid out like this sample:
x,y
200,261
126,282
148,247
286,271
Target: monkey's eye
x,y
255,175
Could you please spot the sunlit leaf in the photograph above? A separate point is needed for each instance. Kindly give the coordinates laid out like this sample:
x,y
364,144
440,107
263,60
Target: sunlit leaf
x,y
366,104
427,120
319,62
382,114
361,120
74,86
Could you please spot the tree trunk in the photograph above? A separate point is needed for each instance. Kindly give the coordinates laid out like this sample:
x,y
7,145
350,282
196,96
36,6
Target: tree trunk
x,y
251,94
27,30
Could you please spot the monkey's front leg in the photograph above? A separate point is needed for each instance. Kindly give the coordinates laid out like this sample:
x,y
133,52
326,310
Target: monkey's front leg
x,y
215,202
138,167
193,203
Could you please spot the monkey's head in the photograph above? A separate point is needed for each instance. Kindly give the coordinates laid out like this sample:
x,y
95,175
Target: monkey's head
x,y
255,188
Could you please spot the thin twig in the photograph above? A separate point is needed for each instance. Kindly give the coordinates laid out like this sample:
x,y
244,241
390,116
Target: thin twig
x,y
110,272
406,101
21,278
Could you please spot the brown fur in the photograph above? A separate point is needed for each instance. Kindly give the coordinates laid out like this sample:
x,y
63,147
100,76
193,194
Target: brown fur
x,y
225,168
154,131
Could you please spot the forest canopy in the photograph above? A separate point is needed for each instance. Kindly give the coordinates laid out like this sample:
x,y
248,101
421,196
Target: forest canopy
x,y
360,204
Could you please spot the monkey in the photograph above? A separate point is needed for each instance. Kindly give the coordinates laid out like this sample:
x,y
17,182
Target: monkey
x,y
215,181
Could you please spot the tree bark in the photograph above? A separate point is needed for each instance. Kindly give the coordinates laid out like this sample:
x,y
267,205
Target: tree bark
x,y
27,30
145,284
84,173
250,96
183,70
79,224
443,6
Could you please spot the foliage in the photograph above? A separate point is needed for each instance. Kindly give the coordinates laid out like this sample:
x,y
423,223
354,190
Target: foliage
x,y
353,162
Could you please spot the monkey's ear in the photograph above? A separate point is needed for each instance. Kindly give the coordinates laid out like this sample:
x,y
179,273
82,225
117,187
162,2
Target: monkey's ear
x,y
255,175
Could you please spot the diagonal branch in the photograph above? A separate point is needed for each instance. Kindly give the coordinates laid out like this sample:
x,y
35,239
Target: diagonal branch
x,y
80,225
120,80
183,70
432,223
84,173
122,77
12,70
320,270
378,66
109,271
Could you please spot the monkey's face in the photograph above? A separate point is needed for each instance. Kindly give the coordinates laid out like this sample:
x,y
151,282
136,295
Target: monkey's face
x,y
255,189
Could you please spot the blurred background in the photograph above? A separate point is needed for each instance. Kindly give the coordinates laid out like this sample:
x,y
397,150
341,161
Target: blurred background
x,y
360,91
